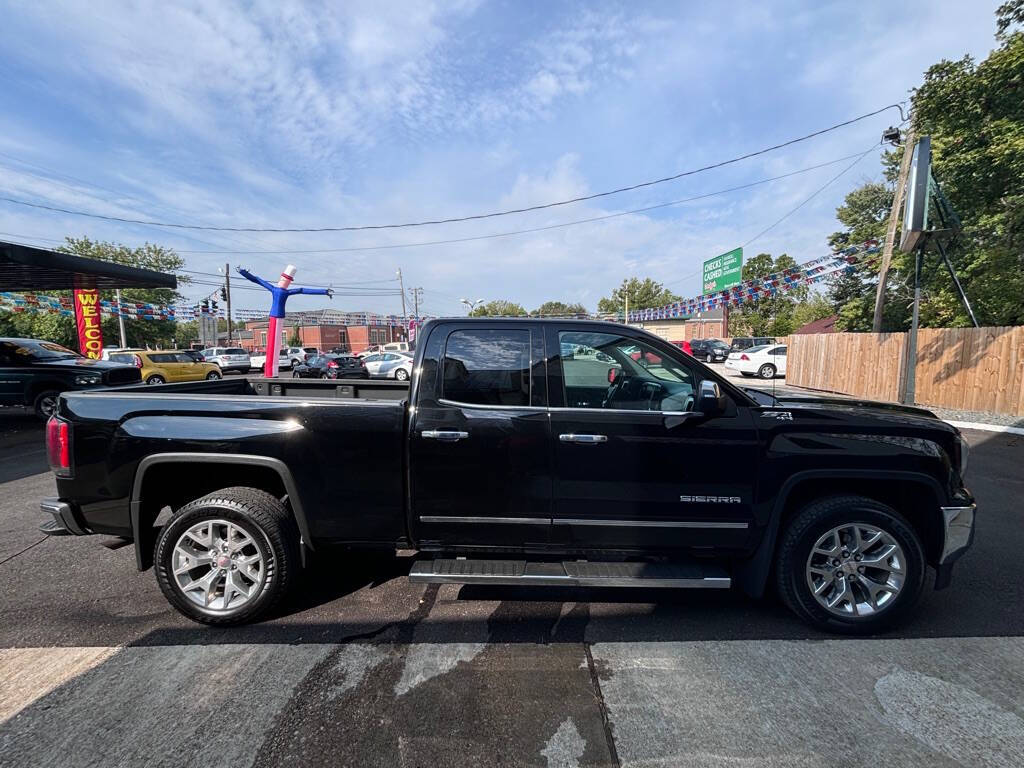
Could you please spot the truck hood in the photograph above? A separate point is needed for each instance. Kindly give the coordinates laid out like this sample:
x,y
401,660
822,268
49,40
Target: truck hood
x,y
859,410
76,363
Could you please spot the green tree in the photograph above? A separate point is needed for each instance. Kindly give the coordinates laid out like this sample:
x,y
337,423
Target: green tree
x,y
560,308
643,294
974,113
814,308
499,308
771,315
295,340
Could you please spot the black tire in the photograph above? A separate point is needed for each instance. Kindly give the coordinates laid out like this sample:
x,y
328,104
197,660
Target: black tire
x,y
709,358
213,376
156,379
401,374
261,516
296,375
766,371
45,404
813,522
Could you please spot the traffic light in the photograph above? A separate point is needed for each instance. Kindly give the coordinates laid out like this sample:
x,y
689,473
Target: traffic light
x,y
213,304
223,294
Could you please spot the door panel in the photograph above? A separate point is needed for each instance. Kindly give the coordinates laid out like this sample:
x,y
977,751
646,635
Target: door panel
x,y
480,462
638,469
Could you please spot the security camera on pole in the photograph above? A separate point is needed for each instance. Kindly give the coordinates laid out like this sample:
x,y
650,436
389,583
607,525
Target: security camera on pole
x,y
280,294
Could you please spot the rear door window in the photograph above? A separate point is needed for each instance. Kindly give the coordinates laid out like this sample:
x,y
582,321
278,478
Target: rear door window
x,y
487,367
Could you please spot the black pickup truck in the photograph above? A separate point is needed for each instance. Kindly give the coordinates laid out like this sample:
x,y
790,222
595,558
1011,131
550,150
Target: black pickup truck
x,y
531,452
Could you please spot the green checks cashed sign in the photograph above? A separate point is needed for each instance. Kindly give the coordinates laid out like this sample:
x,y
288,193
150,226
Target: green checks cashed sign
x,y
723,271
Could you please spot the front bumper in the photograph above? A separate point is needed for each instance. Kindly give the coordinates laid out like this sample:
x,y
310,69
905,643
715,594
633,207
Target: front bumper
x,y
958,531
957,537
63,521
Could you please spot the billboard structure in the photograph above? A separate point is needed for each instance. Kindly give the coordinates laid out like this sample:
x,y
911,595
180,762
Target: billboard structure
x,y
723,271
915,209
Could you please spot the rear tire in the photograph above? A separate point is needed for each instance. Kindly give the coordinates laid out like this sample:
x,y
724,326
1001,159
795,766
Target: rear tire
x,y
223,520
802,568
766,371
45,404
155,379
401,374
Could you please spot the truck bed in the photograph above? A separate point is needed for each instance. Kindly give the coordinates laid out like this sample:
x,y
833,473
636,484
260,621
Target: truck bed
x,y
257,386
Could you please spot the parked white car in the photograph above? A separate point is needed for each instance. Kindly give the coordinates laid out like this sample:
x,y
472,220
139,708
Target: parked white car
x,y
766,361
284,360
228,358
388,365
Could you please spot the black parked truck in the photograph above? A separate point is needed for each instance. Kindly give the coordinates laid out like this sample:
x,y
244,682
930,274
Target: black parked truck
x,y
539,452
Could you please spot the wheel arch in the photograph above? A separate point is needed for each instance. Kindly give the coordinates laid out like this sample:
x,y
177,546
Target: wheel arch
x,y
915,495
156,473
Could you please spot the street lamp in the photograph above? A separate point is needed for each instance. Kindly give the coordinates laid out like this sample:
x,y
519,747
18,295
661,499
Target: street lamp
x,y
471,304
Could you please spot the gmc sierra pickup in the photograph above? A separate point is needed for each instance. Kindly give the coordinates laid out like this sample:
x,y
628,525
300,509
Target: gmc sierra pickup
x,y
539,452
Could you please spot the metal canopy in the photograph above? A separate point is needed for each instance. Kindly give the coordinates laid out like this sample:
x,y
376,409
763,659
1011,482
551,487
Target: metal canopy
x,y
23,268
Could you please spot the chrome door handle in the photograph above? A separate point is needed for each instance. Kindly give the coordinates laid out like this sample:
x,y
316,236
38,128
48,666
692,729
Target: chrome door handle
x,y
583,439
443,434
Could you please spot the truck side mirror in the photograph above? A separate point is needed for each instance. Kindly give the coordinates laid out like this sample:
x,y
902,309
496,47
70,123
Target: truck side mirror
x,y
613,374
710,400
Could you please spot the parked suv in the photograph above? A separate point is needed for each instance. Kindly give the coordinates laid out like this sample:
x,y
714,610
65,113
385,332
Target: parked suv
x,y
739,343
162,366
709,350
228,358
34,373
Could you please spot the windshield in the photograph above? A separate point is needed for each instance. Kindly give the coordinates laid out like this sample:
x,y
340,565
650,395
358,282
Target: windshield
x,y
36,350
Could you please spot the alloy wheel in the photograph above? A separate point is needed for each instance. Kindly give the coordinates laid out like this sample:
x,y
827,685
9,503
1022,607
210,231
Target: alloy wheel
x,y
856,570
217,566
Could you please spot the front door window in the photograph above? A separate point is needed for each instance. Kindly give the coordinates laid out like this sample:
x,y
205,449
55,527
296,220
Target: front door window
x,y
609,371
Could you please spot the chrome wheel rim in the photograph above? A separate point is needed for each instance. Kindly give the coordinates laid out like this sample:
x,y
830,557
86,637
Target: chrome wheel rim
x,y
48,405
856,570
217,566
767,372
401,375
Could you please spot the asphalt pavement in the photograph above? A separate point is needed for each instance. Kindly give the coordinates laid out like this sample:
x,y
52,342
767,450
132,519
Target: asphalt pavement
x,y
364,668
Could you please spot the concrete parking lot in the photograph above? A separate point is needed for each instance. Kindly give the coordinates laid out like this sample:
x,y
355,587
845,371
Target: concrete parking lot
x,y
364,668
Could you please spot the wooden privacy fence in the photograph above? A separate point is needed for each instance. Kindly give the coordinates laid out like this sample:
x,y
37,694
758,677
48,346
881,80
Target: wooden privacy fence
x,y
973,369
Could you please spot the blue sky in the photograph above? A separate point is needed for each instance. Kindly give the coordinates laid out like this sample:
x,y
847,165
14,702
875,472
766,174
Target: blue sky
x,y
269,114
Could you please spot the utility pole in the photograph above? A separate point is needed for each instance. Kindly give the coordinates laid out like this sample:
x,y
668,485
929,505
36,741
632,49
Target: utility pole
x,y
120,316
626,318
416,294
894,222
227,296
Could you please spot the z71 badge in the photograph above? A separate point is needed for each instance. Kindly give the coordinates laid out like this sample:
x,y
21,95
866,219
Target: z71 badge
x,y
778,415
710,499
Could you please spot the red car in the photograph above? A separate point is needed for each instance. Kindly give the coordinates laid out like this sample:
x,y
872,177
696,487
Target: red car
x,y
685,346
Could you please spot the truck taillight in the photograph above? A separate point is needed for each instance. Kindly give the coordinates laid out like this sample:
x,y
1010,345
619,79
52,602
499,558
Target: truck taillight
x,y
58,446
744,357
332,364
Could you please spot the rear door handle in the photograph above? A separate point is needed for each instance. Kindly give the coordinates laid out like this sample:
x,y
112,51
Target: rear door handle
x,y
443,434
583,439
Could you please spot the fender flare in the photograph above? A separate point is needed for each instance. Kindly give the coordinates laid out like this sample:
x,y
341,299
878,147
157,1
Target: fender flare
x,y
144,559
752,574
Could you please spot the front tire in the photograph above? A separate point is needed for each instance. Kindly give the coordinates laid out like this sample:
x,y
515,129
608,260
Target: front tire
x,y
850,564
45,404
766,371
228,557
401,374
213,376
708,358
155,379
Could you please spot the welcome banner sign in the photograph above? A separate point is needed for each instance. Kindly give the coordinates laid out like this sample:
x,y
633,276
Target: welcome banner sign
x,y
87,315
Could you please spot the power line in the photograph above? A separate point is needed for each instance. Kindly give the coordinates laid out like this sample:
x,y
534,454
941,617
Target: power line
x,y
529,230
455,219
810,197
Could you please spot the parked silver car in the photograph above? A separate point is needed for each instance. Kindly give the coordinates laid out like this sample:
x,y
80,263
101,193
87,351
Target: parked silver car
x,y
389,365
228,358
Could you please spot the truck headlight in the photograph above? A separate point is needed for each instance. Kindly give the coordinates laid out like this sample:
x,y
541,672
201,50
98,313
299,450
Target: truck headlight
x,y
88,379
965,452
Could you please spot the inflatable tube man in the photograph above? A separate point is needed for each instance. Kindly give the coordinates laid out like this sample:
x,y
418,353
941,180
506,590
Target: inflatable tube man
x,y
280,294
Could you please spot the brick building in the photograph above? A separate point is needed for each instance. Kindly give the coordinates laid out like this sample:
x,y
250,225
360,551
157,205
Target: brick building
x,y
710,325
323,336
